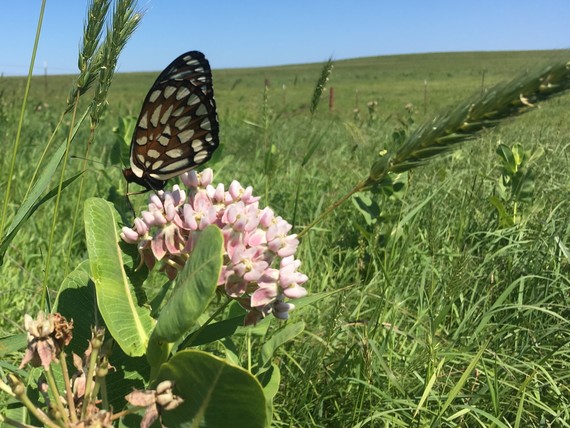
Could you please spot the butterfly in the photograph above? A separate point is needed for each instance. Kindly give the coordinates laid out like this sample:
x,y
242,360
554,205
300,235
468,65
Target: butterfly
x,y
177,128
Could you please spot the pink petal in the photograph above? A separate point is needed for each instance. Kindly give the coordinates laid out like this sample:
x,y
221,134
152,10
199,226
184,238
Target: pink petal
x,y
141,227
219,193
255,238
129,235
206,177
263,296
172,238
235,190
266,217
295,292
190,179
148,218
157,246
156,201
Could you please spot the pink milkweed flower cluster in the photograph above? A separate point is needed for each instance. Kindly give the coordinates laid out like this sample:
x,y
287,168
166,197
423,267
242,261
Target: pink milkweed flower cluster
x,y
259,271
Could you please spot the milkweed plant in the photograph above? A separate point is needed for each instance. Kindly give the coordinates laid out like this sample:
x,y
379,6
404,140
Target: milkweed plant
x,y
115,345
210,241
259,268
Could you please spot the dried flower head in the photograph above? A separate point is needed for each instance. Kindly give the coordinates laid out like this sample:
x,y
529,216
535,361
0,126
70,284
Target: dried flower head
x,y
47,335
155,401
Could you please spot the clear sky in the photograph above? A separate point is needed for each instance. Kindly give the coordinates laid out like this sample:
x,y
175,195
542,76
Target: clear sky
x,y
249,33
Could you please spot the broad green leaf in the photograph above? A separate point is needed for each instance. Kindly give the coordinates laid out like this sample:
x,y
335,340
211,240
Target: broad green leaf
x,y
270,380
505,220
523,186
76,300
215,393
195,288
519,154
128,323
509,162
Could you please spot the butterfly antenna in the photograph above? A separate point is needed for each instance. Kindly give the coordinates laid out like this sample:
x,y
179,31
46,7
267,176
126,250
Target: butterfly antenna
x,y
86,159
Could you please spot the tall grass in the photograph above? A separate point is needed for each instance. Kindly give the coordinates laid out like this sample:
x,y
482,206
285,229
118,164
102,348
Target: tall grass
x,y
440,316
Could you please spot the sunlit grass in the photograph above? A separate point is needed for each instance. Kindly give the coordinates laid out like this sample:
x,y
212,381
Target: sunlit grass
x,y
434,288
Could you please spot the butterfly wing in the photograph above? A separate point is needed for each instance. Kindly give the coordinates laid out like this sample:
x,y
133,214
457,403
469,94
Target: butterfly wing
x,y
178,125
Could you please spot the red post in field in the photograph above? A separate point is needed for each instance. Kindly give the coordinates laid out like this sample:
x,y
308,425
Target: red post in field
x,y
331,98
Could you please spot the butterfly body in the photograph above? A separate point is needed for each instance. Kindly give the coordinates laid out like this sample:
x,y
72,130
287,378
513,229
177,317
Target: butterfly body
x,y
177,128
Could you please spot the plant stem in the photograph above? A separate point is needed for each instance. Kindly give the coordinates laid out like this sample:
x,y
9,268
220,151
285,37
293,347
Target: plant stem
x,y
334,206
8,421
56,395
89,379
68,391
41,416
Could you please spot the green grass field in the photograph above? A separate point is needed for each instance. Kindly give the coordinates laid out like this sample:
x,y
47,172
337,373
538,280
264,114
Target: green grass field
x,y
439,314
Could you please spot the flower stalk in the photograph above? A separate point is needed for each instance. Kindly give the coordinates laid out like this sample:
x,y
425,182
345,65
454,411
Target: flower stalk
x,y
465,122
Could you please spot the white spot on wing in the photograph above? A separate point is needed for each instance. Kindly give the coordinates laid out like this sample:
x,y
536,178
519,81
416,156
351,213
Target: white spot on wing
x,y
178,111
153,153
141,141
168,91
154,96
178,76
136,170
163,140
206,125
197,145
182,122
201,110
190,61
184,136
157,164
200,156
175,166
182,92
155,115
193,100
140,158
143,123
166,114
174,153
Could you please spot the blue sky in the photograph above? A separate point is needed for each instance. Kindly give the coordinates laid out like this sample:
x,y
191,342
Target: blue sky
x,y
251,33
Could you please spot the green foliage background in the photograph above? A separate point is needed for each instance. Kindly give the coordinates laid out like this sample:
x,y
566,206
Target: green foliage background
x,y
444,318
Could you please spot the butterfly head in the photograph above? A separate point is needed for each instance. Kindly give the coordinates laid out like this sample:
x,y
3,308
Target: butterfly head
x,y
145,181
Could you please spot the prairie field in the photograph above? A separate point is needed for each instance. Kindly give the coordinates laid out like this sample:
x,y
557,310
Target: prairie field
x,y
443,301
